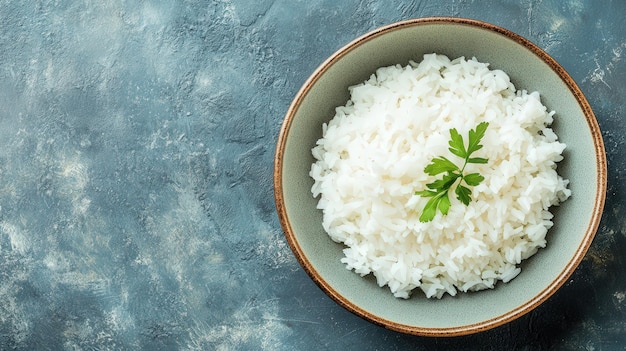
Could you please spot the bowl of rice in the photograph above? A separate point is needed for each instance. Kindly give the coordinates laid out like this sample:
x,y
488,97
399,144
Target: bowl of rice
x,y
440,176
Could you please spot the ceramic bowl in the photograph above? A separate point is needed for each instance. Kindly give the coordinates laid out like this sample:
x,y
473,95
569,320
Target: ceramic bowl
x,y
530,68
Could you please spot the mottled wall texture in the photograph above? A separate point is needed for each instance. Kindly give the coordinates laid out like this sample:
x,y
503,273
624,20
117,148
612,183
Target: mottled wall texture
x,y
136,153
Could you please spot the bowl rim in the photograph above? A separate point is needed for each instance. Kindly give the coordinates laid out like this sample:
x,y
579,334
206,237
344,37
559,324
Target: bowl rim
x,y
542,296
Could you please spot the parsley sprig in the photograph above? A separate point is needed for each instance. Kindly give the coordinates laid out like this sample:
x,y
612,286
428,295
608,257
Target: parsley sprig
x,y
438,190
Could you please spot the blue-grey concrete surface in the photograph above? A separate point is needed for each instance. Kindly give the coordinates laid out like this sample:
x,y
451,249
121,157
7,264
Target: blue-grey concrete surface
x,y
136,156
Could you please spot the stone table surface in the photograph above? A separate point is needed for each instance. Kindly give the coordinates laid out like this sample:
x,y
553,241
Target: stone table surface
x,y
136,157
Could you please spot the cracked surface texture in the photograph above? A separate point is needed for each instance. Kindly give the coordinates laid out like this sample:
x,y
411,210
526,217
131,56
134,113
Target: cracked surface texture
x,y
136,154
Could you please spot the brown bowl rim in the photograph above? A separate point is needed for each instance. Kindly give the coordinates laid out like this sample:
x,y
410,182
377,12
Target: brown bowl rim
x,y
590,232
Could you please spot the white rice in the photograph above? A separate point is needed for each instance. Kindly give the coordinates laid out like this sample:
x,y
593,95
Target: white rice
x,y
370,162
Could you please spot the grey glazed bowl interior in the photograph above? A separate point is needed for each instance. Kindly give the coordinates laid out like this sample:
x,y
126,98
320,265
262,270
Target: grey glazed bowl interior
x,y
530,68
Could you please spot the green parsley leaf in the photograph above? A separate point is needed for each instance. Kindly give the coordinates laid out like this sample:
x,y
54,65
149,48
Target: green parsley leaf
x,y
438,190
430,210
440,202
473,179
426,193
475,136
445,182
440,165
444,204
477,160
457,147
463,194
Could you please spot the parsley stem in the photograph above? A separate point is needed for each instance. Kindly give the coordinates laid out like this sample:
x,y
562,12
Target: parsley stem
x,y
438,190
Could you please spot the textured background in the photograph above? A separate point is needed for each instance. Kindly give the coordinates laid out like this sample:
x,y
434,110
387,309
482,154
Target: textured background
x,y
136,153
